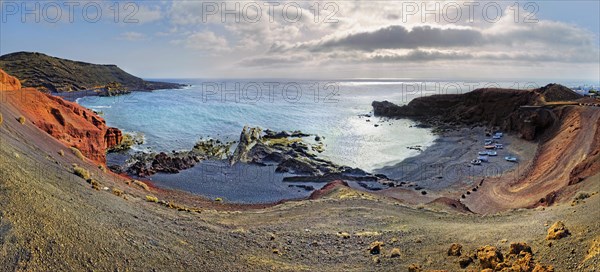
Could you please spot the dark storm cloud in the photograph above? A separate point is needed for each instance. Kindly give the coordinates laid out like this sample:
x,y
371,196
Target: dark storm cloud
x,y
394,37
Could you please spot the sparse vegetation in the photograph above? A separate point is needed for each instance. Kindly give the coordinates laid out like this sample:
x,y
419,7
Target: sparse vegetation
x,y
1,119
218,199
81,172
117,192
77,153
102,168
141,185
94,183
61,153
344,235
395,253
22,120
150,198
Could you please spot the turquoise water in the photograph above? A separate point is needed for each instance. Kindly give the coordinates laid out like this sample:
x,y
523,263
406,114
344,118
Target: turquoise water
x,y
176,119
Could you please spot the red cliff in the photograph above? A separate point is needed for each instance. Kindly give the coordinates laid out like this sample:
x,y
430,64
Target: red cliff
x,y
73,125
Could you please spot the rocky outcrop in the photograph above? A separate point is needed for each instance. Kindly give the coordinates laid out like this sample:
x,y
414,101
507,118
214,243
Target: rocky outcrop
x,y
68,122
293,156
248,139
557,231
146,164
488,107
50,74
9,83
287,151
113,137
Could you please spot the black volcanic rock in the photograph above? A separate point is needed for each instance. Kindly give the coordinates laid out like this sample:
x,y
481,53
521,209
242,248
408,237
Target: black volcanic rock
x,y
52,74
489,106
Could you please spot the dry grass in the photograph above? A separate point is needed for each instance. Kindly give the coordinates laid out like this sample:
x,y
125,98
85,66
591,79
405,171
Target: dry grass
x,y
81,172
141,185
150,198
22,120
94,183
117,192
77,153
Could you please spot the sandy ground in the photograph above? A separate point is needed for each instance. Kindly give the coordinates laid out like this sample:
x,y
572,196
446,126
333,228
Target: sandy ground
x,y
52,220
444,169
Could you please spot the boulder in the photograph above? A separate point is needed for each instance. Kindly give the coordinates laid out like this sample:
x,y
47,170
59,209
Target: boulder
x,y
455,250
489,257
557,231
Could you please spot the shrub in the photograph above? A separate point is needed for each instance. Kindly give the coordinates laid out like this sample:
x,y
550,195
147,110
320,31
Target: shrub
x,y
1,119
395,253
95,184
21,120
117,192
81,172
102,168
60,152
151,199
218,199
141,185
77,153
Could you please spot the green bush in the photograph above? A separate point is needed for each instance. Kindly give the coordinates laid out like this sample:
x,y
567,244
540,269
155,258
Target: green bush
x,y
21,120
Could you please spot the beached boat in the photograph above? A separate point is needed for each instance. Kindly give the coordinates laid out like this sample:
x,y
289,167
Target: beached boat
x,y
499,146
475,162
496,137
489,147
510,159
492,153
482,153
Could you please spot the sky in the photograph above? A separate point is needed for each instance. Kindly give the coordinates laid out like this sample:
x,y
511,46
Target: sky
x,y
448,40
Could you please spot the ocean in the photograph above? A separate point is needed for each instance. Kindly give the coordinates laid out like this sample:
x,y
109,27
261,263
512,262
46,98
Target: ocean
x,y
339,112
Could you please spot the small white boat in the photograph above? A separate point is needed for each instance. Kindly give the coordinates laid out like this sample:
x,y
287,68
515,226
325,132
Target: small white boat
x,y
499,134
510,159
492,153
482,153
499,146
496,137
475,162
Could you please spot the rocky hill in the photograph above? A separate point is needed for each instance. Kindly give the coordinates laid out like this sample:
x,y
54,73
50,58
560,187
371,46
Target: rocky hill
x,y
51,74
73,125
488,106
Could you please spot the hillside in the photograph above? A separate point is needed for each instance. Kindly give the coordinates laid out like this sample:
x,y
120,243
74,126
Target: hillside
x,y
53,220
52,74
488,106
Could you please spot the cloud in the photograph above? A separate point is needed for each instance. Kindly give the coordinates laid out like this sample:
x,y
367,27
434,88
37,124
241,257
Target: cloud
x,y
132,36
146,14
396,37
206,41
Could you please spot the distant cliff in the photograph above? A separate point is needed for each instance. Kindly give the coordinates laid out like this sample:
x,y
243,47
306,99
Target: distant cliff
x,y
50,74
488,106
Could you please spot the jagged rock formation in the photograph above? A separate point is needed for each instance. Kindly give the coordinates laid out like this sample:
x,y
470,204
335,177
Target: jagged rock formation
x,y
50,74
489,107
73,125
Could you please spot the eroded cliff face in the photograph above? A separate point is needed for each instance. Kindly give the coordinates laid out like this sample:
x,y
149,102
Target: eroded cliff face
x,y
73,125
489,107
